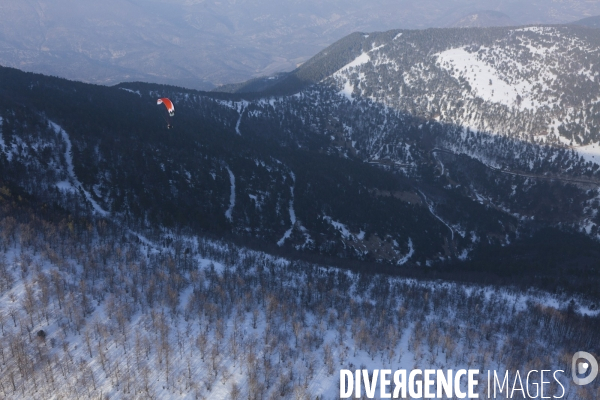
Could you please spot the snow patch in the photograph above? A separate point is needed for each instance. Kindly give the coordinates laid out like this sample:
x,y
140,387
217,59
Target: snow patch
x,y
241,110
65,186
288,233
342,228
74,181
2,144
485,80
590,153
231,196
347,87
132,91
411,251
360,60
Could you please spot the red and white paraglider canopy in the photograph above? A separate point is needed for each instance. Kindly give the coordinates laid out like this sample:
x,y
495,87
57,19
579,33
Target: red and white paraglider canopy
x,y
168,103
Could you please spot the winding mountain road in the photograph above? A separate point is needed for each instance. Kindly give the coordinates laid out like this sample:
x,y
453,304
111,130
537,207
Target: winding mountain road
x,y
533,176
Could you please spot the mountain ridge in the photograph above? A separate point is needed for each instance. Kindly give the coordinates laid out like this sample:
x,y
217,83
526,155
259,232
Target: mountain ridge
x,y
483,19
207,44
591,22
301,168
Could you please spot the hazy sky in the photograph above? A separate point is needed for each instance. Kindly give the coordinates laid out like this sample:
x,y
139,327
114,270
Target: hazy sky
x,y
199,43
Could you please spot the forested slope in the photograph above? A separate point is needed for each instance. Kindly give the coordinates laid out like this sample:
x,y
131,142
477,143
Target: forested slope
x,y
90,308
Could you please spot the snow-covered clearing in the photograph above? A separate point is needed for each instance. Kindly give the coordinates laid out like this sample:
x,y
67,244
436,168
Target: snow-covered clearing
x,y
485,80
348,87
342,228
590,153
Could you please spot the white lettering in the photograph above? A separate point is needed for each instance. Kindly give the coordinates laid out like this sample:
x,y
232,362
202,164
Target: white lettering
x,y
370,384
400,384
383,386
542,384
411,384
517,375
472,383
346,377
558,380
460,394
443,383
427,382
504,382
533,384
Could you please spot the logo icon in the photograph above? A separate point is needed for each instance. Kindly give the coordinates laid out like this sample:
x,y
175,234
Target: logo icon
x,y
579,367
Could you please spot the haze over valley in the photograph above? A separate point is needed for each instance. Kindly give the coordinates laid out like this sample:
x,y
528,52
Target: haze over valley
x,y
202,44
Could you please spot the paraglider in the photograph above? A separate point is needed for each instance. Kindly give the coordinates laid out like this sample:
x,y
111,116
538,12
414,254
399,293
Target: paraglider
x,y
170,108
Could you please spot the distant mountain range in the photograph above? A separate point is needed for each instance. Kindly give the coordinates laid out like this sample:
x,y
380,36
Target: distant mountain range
x,y
592,22
483,19
203,44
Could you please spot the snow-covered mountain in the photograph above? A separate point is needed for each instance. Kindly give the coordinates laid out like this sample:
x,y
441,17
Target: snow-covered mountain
x,y
523,101
534,83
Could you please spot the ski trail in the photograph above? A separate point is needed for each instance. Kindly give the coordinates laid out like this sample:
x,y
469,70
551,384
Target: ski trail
x,y
71,170
411,251
241,110
240,107
231,196
430,207
288,233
